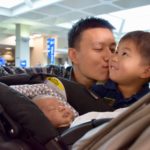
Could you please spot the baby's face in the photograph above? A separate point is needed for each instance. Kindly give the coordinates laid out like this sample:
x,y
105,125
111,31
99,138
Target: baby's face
x,y
57,112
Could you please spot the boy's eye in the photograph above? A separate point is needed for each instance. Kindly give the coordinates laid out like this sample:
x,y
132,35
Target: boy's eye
x,y
116,52
124,53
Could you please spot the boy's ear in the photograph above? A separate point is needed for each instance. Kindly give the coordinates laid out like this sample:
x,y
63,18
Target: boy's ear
x,y
72,53
146,73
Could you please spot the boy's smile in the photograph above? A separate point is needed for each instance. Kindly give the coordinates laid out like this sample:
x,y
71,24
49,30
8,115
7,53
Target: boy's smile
x,y
113,67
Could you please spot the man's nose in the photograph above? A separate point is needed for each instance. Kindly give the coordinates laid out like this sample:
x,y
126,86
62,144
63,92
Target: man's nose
x,y
107,54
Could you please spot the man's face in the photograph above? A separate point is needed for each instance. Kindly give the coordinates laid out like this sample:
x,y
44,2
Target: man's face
x,y
93,52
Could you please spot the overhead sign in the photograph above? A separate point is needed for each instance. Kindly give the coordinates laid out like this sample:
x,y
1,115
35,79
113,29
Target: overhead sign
x,y
2,61
51,50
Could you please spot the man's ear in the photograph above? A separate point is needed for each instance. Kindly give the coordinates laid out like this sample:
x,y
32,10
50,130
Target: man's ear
x,y
146,72
72,53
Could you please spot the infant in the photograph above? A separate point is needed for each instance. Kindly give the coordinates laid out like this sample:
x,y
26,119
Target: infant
x,y
59,113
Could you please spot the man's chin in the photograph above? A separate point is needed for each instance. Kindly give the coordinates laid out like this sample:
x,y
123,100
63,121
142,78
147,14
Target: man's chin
x,y
103,80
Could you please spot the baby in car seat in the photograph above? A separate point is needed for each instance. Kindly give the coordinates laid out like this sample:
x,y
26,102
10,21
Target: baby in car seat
x,y
59,113
52,103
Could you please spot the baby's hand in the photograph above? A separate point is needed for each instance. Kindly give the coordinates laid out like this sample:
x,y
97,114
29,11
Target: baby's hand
x,y
60,115
67,115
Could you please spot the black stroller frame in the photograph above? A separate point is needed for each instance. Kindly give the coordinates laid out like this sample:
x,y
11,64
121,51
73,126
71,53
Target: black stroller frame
x,y
18,129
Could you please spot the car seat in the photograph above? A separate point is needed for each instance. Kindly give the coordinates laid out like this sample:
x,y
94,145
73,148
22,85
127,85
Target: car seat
x,y
18,108
78,96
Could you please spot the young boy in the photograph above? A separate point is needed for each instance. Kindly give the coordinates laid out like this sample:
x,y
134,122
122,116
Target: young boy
x,y
129,71
58,113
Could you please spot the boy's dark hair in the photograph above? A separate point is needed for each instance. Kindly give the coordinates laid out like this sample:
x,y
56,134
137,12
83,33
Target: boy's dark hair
x,y
142,42
84,24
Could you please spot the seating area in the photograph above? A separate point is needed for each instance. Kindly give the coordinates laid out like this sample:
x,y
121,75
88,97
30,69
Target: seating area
x,y
51,69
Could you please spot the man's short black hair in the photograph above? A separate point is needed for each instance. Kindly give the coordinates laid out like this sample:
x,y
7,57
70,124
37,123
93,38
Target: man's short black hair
x,y
84,24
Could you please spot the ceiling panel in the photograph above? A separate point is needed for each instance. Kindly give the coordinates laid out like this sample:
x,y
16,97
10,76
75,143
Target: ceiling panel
x,y
32,15
52,10
131,3
51,20
3,18
53,29
78,4
101,9
74,15
11,22
9,31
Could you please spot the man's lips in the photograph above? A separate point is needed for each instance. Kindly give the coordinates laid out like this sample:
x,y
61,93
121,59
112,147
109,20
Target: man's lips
x,y
105,66
113,67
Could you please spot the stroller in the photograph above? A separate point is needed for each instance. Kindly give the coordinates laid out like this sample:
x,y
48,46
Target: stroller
x,y
19,127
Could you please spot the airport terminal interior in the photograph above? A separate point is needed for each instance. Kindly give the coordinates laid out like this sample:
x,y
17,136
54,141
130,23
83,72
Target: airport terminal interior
x,y
99,102
34,32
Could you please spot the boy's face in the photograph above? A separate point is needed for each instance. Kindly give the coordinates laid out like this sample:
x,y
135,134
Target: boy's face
x,y
58,113
127,66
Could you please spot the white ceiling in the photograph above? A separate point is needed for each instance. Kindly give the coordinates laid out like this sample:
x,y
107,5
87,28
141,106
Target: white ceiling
x,y
47,16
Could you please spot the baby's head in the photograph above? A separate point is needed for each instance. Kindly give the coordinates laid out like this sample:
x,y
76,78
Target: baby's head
x,y
58,112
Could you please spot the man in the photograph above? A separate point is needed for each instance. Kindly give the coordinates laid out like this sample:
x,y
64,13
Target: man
x,y
90,43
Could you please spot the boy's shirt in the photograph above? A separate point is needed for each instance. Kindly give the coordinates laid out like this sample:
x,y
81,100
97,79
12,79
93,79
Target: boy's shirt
x,y
113,97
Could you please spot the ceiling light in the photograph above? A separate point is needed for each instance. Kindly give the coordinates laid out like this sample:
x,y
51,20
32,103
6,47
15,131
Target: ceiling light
x,y
8,48
10,3
67,25
35,36
8,56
